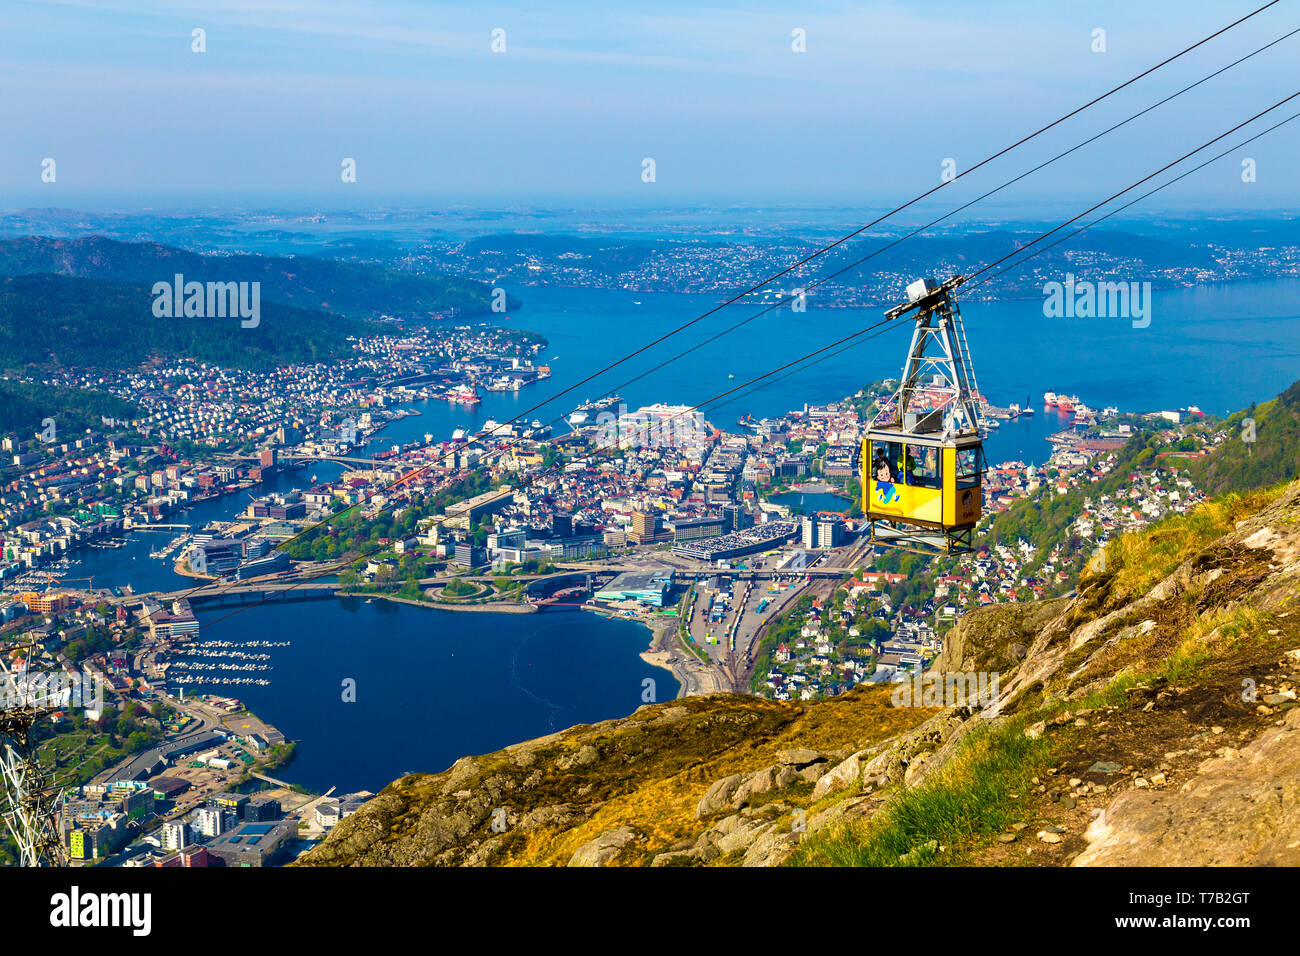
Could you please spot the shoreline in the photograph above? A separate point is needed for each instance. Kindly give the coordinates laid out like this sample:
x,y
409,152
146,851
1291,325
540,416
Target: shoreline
x,y
178,567
660,652
501,608
665,653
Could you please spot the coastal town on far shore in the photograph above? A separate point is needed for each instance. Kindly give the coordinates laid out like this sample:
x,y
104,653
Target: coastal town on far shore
x,y
704,533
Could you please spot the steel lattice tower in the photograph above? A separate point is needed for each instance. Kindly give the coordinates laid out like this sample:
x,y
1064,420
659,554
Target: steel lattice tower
x,y
31,813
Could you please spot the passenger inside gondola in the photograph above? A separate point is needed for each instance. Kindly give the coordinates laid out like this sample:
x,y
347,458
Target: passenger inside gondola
x,y
884,472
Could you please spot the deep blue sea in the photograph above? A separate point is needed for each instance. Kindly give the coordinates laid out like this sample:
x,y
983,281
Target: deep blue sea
x,y
436,685
431,685
1218,347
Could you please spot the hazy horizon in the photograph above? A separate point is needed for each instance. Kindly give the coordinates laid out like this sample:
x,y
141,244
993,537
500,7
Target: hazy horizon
x,y
284,92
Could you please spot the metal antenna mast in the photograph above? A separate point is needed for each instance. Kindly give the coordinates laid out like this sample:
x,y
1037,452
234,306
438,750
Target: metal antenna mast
x,y
32,812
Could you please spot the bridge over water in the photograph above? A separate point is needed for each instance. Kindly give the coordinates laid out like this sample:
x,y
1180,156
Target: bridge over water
x,y
537,586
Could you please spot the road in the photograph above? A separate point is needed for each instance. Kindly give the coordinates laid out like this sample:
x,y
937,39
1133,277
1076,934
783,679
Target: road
x,y
130,766
301,580
750,626
739,632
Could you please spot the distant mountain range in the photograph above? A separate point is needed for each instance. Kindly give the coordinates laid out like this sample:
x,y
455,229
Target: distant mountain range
x,y
869,268
341,287
88,302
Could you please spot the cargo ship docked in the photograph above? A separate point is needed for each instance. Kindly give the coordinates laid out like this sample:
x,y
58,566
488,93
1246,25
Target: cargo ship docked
x,y
463,395
1063,403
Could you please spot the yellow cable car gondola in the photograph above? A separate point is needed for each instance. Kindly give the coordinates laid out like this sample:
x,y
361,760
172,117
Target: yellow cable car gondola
x,y
922,456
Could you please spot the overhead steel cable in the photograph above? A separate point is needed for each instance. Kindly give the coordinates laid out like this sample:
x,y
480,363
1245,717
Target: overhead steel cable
x,y
934,222
476,439
1015,265
1131,187
1165,185
1058,156
890,245
839,346
859,341
857,262
911,202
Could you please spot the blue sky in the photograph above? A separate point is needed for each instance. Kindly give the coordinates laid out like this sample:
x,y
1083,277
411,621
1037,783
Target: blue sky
x,y
584,92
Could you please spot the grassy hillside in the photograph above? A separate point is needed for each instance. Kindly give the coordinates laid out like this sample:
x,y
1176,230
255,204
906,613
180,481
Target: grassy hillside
x,y
307,283
1239,465
1201,640
58,321
645,772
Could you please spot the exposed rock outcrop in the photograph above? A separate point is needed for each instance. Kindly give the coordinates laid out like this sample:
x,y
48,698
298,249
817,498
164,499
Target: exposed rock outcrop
x,y
602,849
1166,766
1242,807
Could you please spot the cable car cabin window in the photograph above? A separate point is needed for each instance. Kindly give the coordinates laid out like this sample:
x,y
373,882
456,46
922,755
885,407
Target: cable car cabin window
x,y
887,461
970,465
923,467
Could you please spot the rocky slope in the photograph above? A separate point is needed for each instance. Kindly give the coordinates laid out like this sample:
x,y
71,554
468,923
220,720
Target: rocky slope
x,y
1150,718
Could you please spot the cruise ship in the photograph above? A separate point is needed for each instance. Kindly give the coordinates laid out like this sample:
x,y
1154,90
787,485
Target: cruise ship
x,y
587,412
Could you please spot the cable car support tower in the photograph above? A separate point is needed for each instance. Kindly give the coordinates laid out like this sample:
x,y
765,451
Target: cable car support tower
x,y
928,434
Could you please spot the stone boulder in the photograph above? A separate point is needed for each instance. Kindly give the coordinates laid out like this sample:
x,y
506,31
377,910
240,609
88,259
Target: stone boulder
x,y
718,796
602,849
1241,809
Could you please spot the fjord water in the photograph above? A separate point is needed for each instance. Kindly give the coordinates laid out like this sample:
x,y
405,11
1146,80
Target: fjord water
x,y
1218,347
436,685
131,564
431,686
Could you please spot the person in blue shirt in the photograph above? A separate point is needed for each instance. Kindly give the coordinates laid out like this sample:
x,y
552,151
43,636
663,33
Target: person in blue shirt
x,y
884,475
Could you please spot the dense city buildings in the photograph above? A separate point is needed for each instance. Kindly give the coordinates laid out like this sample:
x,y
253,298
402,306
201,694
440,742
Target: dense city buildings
x,y
651,513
